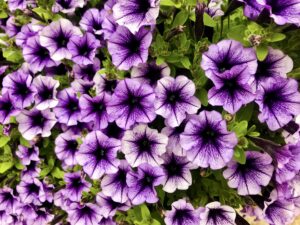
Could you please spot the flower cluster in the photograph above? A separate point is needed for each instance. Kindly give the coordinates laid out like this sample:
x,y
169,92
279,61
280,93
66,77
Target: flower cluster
x,y
101,124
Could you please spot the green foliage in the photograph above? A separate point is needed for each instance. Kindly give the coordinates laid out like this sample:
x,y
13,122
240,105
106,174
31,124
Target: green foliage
x,y
12,54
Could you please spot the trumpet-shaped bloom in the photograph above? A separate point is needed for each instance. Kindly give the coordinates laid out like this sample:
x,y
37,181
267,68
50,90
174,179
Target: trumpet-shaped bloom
x,y
217,214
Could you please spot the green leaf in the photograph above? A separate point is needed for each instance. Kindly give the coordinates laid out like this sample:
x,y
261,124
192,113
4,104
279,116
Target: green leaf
x,y
186,62
237,33
170,3
4,140
24,142
5,166
261,52
160,60
208,21
202,95
145,212
275,37
180,18
12,54
245,113
239,155
57,173
240,128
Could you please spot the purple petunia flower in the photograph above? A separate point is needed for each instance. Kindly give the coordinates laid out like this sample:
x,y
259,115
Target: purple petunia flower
x,y
12,28
231,89
91,21
144,145
108,207
31,190
177,170
175,98
249,177
93,110
7,110
82,86
227,55
214,8
19,86
83,49
207,141
5,218
32,170
141,184
279,101
75,186
8,201
28,154
36,55
45,87
86,72
42,218
127,49
150,73
217,214
67,111
114,131
20,4
287,159
83,214
116,182
97,155
109,24
181,213
55,37
67,6
275,64
283,11
35,122
66,146
104,85
135,14
27,31
107,221
253,8
132,102
279,211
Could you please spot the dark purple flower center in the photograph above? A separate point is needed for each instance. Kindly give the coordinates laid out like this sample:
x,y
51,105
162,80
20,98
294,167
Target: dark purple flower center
x,y
66,4
121,177
133,45
174,167
88,71
7,196
113,130
224,65
86,211
144,144
143,6
6,106
209,135
38,120
84,49
76,182
46,93
110,85
73,105
42,52
72,145
62,40
96,24
100,153
22,89
262,71
181,216
31,166
153,74
217,215
147,180
33,188
271,98
133,101
173,97
98,107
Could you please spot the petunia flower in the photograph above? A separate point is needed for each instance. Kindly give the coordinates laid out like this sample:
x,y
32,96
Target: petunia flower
x,y
114,185
275,64
86,72
175,99
67,111
114,131
283,12
19,86
109,24
82,86
5,217
32,170
248,178
91,21
131,103
231,90
150,73
287,159
37,56
83,214
66,146
55,37
12,28
104,85
93,110
107,221
217,214
214,8
97,155
279,211
42,217
28,154
60,200
143,182
8,201
27,31
252,9
127,49
46,89
144,145
173,134
35,122
206,140
279,101
226,55
75,185
13,5
108,207
83,48
135,14
31,190
177,170
67,6
181,213
7,110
